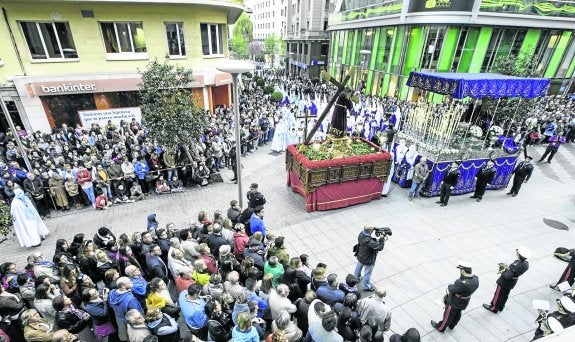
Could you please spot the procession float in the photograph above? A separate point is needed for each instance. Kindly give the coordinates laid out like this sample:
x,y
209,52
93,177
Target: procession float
x,y
447,131
339,171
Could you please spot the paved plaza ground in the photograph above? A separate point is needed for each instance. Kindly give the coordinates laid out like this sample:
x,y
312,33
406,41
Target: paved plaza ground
x,y
419,260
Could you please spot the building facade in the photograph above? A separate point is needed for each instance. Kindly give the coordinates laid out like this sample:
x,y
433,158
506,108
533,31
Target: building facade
x,y
268,17
77,63
381,42
307,41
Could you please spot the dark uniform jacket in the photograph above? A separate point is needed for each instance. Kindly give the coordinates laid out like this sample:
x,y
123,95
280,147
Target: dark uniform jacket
x,y
451,177
523,170
368,248
255,199
460,292
566,319
486,175
509,277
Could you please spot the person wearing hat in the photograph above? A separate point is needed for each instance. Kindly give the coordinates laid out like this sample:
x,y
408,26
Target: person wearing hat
x,y
565,311
522,173
569,273
458,296
448,183
547,327
255,198
484,177
508,279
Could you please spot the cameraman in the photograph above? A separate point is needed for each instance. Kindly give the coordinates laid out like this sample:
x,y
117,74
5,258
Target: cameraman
x,y
366,253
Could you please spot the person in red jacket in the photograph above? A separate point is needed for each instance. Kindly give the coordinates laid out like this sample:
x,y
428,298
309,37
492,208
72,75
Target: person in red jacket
x,y
84,178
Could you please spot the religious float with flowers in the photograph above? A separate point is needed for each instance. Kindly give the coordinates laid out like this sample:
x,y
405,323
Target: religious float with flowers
x,y
441,133
337,172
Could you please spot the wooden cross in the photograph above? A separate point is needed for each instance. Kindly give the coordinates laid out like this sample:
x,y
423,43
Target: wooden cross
x,y
340,88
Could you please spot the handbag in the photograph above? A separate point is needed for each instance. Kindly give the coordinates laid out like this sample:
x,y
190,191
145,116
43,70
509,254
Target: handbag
x,y
104,330
149,177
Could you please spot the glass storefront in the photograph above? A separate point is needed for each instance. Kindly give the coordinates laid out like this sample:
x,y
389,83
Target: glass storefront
x,y
395,51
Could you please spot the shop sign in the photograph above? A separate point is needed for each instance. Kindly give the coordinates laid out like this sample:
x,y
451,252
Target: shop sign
x,y
116,115
221,79
316,62
440,5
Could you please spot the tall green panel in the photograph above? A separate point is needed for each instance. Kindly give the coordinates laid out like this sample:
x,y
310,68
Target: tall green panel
x,y
571,69
354,48
412,58
346,40
384,85
373,57
448,50
557,55
334,50
480,49
380,52
468,49
396,47
413,52
530,41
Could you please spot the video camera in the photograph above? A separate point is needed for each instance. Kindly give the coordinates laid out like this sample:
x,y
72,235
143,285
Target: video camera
x,y
382,232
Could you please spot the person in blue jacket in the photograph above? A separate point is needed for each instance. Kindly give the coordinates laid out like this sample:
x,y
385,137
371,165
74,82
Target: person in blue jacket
x,y
121,301
141,169
257,221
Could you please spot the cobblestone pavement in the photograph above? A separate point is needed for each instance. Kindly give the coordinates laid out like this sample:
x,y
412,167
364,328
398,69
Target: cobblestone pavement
x,y
419,260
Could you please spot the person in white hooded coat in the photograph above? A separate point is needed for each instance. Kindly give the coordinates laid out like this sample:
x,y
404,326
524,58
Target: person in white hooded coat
x,y
29,227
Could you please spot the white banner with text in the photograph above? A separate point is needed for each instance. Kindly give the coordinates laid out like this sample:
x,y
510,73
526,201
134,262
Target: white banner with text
x,y
116,115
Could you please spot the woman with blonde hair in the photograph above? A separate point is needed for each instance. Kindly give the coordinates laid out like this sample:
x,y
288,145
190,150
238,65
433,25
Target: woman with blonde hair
x,y
36,328
200,274
244,331
159,298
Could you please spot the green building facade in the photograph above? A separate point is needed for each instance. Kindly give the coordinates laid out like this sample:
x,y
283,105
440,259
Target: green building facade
x,y
381,42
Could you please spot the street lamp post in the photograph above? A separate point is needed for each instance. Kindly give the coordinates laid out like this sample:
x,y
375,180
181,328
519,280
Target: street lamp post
x,y
235,68
290,58
364,54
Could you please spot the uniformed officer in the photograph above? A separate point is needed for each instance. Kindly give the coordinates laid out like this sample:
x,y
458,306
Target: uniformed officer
x,y
448,183
569,273
484,177
547,326
522,172
508,279
563,318
255,198
565,311
458,296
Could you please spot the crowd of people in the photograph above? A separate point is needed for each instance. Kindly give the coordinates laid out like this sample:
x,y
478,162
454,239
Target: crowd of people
x,y
225,277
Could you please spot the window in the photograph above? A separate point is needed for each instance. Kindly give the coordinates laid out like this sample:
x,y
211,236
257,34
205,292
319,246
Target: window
x,y
175,35
49,41
124,38
211,39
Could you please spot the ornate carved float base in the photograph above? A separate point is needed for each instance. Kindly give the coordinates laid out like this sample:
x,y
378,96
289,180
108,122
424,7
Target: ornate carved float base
x,y
337,183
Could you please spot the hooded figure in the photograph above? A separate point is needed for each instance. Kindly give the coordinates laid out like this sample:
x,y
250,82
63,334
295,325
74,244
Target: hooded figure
x,y
29,227
152,225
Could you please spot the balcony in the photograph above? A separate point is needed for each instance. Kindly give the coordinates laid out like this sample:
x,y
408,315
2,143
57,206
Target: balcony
x,y
307,35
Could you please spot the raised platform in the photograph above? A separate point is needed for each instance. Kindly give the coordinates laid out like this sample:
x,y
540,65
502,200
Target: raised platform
x,y
337,183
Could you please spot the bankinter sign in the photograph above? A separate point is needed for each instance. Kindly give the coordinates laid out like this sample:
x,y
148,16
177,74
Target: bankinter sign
x,y
67,88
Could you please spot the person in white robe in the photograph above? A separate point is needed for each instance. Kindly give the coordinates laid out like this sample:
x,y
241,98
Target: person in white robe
x,y
410,157
387,184
29,227
279,139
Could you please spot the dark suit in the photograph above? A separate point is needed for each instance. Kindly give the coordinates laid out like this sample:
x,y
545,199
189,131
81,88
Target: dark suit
x,y
522,173
156,268
484,176
450,179
255,199
506,282
459,295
